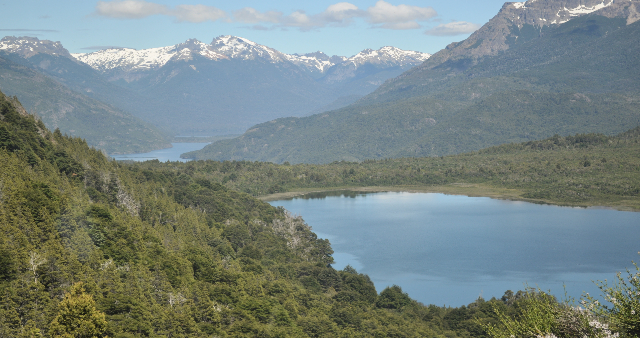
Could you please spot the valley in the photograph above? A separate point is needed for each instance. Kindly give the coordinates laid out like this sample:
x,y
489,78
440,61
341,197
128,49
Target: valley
x,y
194,88
392,193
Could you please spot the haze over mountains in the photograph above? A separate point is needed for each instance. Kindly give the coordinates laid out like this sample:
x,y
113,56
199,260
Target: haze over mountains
x,y
538,68
191,88
45,78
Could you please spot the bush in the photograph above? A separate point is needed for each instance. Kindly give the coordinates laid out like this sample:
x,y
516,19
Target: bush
x,y
541,315
624,297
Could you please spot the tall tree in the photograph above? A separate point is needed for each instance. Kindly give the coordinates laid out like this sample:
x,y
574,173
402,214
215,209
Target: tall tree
x,y
78,317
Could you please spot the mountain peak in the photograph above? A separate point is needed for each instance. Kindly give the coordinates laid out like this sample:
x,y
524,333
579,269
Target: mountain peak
x,y
388,54
504,30
129,59
29,46
231,40
240,48
185,50
318,55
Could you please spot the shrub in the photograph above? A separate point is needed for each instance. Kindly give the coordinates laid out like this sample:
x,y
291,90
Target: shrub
x,y
624,297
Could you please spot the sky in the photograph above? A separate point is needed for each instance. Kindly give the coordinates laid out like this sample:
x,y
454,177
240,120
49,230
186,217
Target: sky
x,y
335,28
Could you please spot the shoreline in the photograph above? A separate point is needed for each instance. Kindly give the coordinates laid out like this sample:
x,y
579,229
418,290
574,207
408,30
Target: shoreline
x,y
465,189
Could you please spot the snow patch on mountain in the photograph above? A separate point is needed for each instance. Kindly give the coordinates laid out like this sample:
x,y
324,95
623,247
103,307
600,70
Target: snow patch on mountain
x,y
582,9
127,58
315,62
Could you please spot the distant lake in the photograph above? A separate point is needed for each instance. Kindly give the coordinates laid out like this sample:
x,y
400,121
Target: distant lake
x,y
163,155
444,249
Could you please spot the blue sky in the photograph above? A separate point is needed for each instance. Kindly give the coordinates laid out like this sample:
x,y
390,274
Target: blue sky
x,y
333,27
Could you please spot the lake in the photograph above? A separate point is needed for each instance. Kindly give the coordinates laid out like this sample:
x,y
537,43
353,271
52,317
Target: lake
x,y
445,249
163,155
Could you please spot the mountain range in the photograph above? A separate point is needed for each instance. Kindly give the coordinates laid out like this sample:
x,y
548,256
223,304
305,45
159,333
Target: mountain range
x,y
191,88
232,83
536,69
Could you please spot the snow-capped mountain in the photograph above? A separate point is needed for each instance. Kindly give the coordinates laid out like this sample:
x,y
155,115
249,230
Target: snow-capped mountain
x,y
221,87
28,46
240,48
545,13
518,22
390,56
129,59
233,47
373,67
315,62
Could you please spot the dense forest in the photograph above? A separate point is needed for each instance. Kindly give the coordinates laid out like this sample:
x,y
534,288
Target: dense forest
x,y
90,247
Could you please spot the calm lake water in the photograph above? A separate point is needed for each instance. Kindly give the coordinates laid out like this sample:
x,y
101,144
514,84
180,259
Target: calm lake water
x,y
444,249
163,155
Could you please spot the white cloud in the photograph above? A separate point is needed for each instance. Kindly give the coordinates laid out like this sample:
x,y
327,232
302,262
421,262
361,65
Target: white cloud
x,y
381,15
337,14
340,12
251,15
299,19
137,9
453,28
401,25
400,16
197,13
129,9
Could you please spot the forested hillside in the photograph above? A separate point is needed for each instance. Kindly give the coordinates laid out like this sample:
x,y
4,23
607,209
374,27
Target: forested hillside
x,y
90,247
93,248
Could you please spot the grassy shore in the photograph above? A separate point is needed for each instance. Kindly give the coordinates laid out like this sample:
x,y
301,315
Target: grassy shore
x,y
465,189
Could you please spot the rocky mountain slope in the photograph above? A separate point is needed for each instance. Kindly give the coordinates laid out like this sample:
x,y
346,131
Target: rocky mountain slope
x,y
515,24
507,83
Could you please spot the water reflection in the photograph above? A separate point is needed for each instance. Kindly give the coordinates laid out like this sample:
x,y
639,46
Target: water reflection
x,y
449,249
324,194
163,155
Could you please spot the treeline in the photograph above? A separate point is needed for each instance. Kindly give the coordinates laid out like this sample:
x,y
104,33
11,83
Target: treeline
x,y
583,169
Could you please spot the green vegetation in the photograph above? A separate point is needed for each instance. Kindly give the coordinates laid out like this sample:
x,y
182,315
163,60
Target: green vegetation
x,y
583,170
624,297
539,314
91,248
580,77
78,316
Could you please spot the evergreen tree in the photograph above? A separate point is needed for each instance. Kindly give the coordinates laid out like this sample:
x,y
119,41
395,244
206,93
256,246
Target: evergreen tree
x,y
78,317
